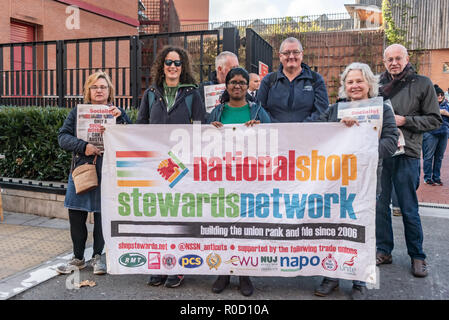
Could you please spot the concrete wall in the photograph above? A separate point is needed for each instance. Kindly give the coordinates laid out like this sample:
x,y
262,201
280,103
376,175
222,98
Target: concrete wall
x,y
37,203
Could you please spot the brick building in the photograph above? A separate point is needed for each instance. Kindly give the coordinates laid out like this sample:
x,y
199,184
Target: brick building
x,y
42,20
426,27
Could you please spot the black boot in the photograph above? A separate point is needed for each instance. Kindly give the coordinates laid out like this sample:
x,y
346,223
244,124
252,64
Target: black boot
x,y
220,284
246,287
326,287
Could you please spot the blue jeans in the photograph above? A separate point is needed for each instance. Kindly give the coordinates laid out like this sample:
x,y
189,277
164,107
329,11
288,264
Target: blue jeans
x,y
394,199
433,148
354,282
402,172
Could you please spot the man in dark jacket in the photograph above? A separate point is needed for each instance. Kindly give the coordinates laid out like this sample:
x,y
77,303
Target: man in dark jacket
x,y
416,111
294,93
224,62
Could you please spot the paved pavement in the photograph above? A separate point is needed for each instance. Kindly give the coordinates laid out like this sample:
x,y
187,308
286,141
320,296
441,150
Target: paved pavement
x,y
31,247
40,282
436,195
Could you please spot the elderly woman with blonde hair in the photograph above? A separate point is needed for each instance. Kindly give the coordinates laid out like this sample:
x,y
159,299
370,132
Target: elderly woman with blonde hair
x,y
98,90
359,83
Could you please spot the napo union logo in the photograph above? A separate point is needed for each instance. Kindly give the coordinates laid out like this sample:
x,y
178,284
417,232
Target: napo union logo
x,y
132,260
329,263
169,261
213,261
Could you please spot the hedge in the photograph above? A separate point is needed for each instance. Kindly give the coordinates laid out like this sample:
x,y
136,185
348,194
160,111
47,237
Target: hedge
x,y
29,141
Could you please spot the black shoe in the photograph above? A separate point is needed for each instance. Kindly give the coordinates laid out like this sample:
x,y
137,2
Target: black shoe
x,y
246,286
156,280
326,287
438,183
429,182
174,281
358,292
220,284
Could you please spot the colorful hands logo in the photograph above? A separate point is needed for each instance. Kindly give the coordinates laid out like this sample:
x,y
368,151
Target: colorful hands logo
x,y
172,169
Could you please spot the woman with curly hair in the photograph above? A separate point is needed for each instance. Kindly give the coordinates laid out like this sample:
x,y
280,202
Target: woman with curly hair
x,y
173,97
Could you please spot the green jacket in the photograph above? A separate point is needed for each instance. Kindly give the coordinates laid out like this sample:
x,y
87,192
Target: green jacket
x,y
418,103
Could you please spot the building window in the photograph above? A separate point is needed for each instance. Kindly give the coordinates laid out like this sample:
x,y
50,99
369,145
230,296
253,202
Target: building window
x,y
446,67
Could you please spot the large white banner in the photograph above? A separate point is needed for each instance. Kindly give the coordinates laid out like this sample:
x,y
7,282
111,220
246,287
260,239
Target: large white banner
x,y
273,200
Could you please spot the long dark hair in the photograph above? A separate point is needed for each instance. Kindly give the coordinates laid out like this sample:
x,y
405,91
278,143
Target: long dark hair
x,y
157,71
231,74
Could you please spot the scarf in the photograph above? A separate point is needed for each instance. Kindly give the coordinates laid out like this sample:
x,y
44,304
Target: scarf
x,y
391,86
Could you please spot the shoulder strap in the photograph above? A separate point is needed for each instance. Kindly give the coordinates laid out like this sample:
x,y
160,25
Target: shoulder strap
x,y
189,100
272,78
151,98
314,78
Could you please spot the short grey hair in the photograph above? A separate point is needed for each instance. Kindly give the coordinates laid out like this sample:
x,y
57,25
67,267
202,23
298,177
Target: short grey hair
x,y
373,81
397,45
291,40
220,60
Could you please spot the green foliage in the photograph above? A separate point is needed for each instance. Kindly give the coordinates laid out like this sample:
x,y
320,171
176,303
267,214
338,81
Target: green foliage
x,y
29,141
132,114
393,33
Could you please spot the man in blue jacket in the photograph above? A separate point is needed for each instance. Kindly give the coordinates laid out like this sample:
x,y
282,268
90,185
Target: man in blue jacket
x,y
294,93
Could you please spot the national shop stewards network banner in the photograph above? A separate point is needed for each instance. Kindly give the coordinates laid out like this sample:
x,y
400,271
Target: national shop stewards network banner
x,y
273,200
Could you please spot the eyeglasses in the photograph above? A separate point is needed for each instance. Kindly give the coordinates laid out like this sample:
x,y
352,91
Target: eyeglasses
x,y
98,87
288,53
169,62
238,83
441,95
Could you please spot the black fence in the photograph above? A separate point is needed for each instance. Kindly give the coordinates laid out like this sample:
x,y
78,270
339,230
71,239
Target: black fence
x,y
52,73
257,50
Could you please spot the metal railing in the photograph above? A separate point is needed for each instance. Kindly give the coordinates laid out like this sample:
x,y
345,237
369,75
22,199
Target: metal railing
x,y
53,73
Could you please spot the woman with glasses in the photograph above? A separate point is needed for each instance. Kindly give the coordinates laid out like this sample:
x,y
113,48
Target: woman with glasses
x,y
359,83
173,98
98,90
235,108
435,143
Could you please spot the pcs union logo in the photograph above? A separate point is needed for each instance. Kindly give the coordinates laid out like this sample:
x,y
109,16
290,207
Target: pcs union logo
x,y
190,261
